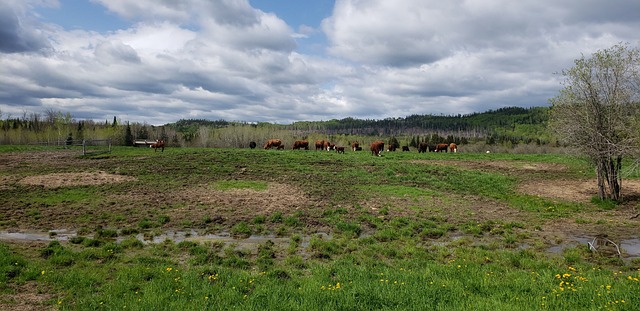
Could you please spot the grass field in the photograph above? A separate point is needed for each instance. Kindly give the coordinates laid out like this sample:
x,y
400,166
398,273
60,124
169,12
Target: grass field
x,y
242,229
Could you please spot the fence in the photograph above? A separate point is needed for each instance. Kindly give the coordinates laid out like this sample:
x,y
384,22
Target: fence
x,y
89,146
95,146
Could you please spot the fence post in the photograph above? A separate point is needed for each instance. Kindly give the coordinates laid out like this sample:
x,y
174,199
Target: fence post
x,y
84,147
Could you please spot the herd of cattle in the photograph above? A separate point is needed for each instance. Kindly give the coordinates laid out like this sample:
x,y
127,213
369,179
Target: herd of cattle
x,y
376,147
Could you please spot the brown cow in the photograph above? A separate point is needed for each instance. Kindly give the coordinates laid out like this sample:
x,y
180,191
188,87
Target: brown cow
x,y
377,147
319,144
405,148
272,143
355,145
281,147
391,147
453,147
158,144
300,144
339,149
441,147
423,147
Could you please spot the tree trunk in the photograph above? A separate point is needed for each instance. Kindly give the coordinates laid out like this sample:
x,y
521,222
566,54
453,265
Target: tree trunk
x,y
608,170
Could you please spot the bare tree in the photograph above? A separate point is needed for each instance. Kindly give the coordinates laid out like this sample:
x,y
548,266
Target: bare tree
x,y
597,112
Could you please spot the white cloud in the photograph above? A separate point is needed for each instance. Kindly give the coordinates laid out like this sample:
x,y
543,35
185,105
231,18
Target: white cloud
x,y
225,59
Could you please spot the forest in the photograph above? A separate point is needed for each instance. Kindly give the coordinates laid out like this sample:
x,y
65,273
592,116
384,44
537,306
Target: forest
x,y
507,126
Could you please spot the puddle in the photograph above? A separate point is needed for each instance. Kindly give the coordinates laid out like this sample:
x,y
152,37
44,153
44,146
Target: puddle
x,y
575,241
175,236
59,235
630,248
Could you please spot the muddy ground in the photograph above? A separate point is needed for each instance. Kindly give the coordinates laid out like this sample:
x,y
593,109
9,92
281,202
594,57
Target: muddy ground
x,y
620,223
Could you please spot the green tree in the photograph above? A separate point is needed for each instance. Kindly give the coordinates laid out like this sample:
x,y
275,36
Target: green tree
x,y
597,112
128,136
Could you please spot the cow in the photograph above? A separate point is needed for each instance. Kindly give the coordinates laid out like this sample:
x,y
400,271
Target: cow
x,y
432,148
281,147
405,148
319,145
423,147
272,143
355,145
339,149
453,147
376,148
300,144
158,144
441,147
358,148
331,146
391,147
252,145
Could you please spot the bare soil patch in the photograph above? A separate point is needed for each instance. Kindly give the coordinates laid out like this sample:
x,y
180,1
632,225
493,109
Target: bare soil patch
x,y
503,166
57,180
27,297
574,190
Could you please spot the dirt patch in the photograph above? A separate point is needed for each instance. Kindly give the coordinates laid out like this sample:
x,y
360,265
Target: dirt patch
x,y
27,297
57,180
276,197
574,190
223,207
505,166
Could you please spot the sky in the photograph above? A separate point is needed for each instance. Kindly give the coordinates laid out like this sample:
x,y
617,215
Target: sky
x,y
282,61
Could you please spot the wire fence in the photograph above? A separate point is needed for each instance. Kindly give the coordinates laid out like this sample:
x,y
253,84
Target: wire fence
x,y
87,146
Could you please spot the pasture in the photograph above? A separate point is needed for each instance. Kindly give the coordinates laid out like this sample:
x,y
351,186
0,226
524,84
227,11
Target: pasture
x,y
255,229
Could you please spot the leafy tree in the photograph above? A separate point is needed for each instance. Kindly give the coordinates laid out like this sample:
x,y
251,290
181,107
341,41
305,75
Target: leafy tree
x,y
597,112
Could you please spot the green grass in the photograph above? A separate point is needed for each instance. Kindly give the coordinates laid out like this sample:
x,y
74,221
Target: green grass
x,y
402,231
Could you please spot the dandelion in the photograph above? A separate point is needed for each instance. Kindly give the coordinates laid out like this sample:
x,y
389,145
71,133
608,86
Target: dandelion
x,y
42,272
169,269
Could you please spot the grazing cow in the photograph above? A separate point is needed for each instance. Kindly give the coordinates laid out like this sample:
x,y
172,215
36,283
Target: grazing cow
x,y
272,143
331,147
358,148
392,147
252,145
453,147
442,147
158,144
423,147
300,144
405,148
355,145
319,145
432,148
339,149
281,147
376,148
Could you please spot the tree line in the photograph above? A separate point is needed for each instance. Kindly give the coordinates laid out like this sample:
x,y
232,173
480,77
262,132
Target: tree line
x,y
509,125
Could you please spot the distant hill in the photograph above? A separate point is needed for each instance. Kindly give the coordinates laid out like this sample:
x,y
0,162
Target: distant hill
x,y
512,123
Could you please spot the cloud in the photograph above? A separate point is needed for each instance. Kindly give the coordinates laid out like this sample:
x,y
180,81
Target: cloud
x,y
18,32
227,60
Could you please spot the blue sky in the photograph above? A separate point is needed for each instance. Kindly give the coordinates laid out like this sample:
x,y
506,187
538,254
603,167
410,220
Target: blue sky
x,y
281,61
